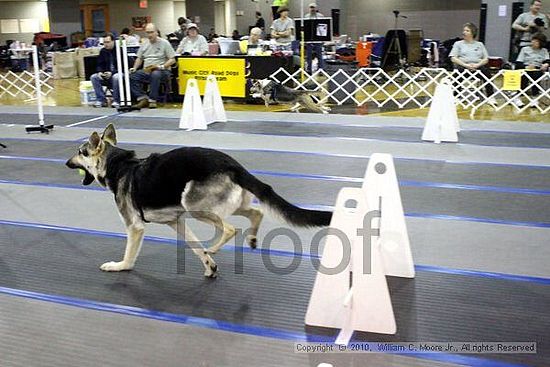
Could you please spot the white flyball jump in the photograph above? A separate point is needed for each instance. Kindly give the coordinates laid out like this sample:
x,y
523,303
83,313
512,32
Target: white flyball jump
x,y
197,115
212,103
442,123
350,292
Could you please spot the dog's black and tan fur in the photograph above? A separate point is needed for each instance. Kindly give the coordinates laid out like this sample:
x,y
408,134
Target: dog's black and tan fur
x,y
272,92
206,183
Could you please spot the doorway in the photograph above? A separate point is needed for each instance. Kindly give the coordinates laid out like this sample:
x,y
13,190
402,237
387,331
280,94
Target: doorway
x,y
94,19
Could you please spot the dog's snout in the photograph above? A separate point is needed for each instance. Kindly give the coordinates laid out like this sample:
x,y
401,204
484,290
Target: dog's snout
x,y
71,164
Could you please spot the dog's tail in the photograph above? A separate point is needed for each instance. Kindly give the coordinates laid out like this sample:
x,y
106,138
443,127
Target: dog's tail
x,y
290,213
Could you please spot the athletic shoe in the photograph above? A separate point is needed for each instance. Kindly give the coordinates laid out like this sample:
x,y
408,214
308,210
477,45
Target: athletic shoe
x,y
152,104
100,104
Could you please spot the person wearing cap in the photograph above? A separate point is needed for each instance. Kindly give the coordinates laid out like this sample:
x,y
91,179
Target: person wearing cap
x,y
157,56
194,43
275,7
314,47
282,29
313,12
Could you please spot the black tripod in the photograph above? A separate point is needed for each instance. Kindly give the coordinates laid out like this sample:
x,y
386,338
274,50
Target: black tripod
x,y
394,47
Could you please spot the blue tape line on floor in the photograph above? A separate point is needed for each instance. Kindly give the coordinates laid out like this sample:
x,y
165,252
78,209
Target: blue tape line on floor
x,y
230,327
259,251
405,183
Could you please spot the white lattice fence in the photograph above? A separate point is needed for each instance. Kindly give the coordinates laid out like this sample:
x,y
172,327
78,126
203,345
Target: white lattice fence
x,y
417,88
23,84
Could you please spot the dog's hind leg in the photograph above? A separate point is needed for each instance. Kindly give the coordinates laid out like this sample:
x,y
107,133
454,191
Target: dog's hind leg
x,y
133,246
210,267
255,216
227,230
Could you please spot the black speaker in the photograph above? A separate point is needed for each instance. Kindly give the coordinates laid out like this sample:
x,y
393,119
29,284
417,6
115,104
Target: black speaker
x,y
335,13
482,23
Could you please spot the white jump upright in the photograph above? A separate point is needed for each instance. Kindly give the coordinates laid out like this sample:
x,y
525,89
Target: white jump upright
x,y
192,114
212,103
355,295
442,123
38,92
123,76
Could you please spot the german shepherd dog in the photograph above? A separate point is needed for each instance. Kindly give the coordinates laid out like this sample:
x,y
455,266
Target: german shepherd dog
x,y
206,183
272,92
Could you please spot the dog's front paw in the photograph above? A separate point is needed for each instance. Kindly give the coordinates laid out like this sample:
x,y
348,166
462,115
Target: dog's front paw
x,y
115,266
211,269
252,241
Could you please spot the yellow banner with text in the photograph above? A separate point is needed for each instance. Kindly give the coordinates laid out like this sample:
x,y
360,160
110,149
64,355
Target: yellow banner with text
x,y
229,73
512,80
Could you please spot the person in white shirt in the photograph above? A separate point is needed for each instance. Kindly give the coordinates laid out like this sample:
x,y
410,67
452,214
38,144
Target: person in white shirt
x,y
194,43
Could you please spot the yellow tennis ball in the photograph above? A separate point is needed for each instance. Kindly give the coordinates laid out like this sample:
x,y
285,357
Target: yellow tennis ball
x,y
81,172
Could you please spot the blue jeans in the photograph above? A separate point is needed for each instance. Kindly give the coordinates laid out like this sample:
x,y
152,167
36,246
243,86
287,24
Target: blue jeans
x,y
140,77
98,83
318,49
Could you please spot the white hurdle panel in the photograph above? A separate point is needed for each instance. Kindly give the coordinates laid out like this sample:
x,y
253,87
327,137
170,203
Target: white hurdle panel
x,y
356,296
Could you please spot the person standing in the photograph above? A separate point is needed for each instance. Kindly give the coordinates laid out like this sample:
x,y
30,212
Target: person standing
x,y
181,32
275,7
282,29
157,56
314,48
529,23
260,22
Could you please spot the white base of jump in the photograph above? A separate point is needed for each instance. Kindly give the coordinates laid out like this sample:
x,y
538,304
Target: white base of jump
x,y
442,123
350,292
197,115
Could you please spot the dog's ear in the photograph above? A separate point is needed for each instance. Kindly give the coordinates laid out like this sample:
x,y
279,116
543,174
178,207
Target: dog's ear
x,y
109,134
94,141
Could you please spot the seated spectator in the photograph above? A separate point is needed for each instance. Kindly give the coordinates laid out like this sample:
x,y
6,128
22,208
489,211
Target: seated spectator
x,y
157,56
253,40
535,60
236,36
106,75
212,35
194,44
282,29
132,40
472,55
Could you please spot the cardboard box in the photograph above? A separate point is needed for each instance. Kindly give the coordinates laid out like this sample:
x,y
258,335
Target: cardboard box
x,y
81,53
